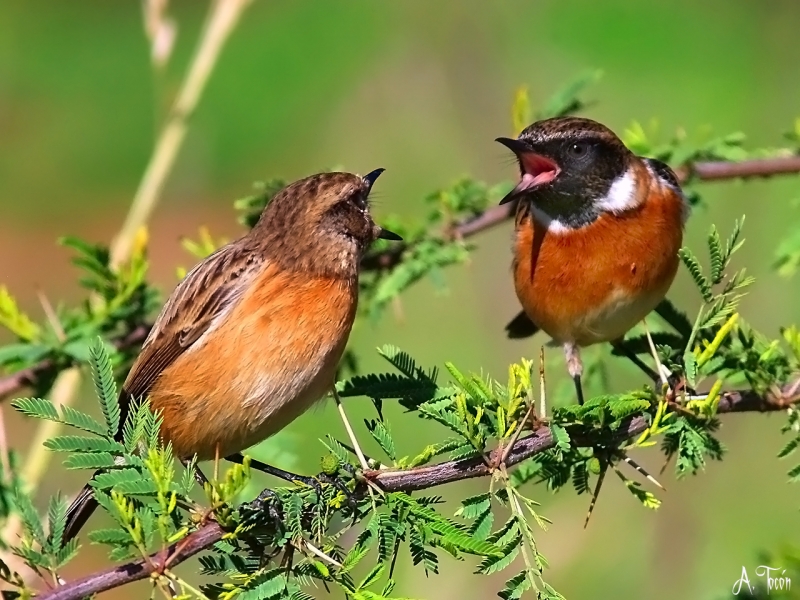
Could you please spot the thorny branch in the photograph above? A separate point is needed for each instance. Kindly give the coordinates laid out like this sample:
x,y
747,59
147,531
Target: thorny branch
x,y
420,478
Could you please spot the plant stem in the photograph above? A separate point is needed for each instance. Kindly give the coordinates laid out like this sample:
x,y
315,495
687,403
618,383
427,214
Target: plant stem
x,y
220,22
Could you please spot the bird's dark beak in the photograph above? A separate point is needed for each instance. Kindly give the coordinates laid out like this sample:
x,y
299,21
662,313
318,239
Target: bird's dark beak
x,y
536,169
380,232
372,176
385,234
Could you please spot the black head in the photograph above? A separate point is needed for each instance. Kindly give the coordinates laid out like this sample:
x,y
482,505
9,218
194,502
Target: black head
x,y
572,169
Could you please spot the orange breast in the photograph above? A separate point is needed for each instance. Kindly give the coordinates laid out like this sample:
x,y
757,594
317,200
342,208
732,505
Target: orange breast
x,y
593,284
272,357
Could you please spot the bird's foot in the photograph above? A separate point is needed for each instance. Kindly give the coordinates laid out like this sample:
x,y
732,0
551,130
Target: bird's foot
x,y
329,475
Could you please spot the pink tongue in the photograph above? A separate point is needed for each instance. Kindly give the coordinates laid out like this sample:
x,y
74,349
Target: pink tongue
x,y
538,170
530,180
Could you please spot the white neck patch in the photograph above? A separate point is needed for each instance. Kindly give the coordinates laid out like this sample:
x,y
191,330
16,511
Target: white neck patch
x,y
621,195
552,225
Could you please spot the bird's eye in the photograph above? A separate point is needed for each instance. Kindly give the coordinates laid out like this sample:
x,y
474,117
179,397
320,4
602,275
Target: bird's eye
x,y
579,149
359,201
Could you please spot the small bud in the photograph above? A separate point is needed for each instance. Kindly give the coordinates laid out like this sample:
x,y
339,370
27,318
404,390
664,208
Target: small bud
x,y
330,464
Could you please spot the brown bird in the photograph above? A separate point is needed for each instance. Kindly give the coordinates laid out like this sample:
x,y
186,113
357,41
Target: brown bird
x,y
253,335
598,231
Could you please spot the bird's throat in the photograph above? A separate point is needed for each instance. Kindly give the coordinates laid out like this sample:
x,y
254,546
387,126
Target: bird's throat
x,y
559,212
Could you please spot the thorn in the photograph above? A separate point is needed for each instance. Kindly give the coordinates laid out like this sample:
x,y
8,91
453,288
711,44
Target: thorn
x,y
542,388
361,458
666,463
52,318
600,477
641,470
660,369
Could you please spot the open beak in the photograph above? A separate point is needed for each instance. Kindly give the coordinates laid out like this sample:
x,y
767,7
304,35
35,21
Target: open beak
x,y
537,169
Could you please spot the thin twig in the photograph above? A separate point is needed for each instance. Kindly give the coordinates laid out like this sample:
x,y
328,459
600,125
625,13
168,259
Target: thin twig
x,y
221,20
350,433
542,386
4,450
701,171
390,481
51,315
314,550
659,366
515,435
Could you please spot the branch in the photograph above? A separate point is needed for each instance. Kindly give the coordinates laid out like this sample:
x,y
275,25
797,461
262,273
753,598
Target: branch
x,y
702,171
391,481
30,376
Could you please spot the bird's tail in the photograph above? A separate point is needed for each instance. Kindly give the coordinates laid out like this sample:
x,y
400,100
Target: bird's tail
x,y
79,512
85,504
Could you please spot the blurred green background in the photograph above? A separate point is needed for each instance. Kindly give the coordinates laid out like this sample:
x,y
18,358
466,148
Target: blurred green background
x,y
420,88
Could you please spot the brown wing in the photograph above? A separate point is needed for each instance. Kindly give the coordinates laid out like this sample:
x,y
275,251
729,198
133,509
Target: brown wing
x,y
212,286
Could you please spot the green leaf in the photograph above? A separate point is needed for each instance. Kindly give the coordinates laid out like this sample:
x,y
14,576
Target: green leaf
x,y
387,386
116,478
566,100
493,564
23,352
472,385
57,521
560,436
696,271
419,553
28,515
111,537
80,420
521,110
628,406
733,241
403,362
75,443
450,532
267,585
105,385
716,253
381,434
66,554
482,526
40,408
13,319
372,576
357,552
690,361
98,460
474,506
337,449
294,514
516,586
789,448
